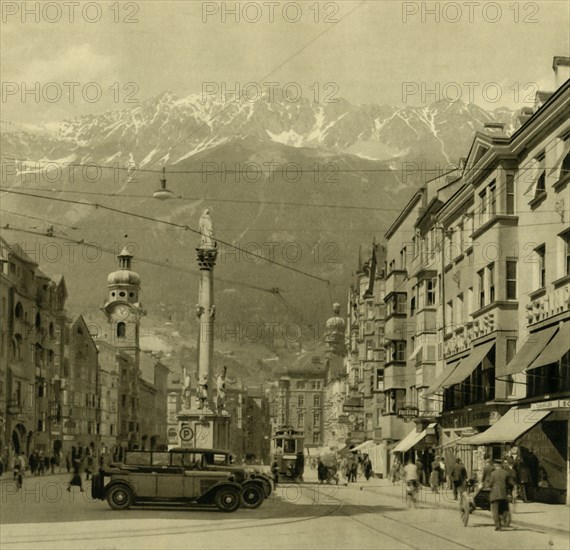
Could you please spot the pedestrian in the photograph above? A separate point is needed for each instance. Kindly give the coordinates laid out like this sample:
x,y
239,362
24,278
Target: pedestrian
x,y
275,473
458,476
46,464
68,462
321,471
501,483
395,471
76,478
367,467
89,466
488,469
40,463
1,465
52,463
354,470
33,460
22,462
523,479
434,477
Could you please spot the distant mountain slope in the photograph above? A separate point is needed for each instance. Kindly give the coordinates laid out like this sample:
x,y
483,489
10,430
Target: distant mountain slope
x,y
351,156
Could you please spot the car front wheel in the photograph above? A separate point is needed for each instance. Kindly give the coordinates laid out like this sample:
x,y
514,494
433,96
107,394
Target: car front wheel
x,y
120,497
252,496
227,499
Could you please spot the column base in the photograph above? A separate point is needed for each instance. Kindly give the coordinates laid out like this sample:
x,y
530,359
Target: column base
x,y
203,428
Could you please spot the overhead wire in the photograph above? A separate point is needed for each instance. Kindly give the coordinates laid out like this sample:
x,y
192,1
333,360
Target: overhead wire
x,y
172,224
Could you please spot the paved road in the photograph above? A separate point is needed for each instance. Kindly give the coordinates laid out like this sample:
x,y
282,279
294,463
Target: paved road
x,y
44,515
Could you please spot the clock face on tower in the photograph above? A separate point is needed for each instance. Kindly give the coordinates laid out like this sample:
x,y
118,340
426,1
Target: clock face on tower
x,y
122,313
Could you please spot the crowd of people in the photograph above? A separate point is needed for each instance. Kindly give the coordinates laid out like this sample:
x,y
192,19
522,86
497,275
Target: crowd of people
x,y
78,461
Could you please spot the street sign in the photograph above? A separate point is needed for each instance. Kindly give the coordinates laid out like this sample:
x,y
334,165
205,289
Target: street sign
x,y
186,433
551,405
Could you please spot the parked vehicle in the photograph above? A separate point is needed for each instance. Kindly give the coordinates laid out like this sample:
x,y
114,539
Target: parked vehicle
x,y
254,486
150,476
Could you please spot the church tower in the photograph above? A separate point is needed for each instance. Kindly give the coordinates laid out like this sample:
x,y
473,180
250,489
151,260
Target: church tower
x,y
123,308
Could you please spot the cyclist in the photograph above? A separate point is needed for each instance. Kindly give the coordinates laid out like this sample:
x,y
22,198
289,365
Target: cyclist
x,y
411,478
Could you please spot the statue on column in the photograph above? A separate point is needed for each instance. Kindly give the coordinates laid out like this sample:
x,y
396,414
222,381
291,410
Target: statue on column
x,y
202,393
185,389
207,231
221,387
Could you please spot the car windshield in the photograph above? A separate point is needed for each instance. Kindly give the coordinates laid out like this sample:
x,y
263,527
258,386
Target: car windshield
x,y
139,458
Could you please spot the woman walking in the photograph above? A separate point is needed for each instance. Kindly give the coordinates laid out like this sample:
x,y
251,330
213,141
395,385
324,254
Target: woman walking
x,y
76,478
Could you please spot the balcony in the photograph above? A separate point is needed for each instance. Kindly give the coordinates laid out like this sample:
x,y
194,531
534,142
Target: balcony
x,y
395,377
394,281
393,427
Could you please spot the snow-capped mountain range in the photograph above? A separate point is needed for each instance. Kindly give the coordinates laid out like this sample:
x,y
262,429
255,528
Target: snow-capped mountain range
x,y
167,129
326,217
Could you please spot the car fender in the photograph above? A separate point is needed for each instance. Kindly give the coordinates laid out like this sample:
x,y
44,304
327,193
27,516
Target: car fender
x,y
208,496
114,482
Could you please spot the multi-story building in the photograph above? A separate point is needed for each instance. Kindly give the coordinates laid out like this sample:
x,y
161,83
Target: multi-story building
x,y
109,397
504,335
301,399
153,380
366,354
33,313
80,394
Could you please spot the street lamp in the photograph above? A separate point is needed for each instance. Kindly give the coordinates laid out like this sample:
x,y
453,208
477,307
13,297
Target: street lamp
x,y
163,193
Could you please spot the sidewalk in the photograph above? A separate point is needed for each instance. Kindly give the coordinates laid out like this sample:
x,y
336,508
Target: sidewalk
x,y
555,517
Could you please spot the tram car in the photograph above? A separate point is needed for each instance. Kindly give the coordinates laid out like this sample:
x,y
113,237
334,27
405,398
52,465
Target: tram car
x,y
288,460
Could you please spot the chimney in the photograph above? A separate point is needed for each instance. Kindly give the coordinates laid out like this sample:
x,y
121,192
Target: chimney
x,y
561,68
494,128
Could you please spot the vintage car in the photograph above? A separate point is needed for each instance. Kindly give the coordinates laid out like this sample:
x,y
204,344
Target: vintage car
x,y
147,477
255,487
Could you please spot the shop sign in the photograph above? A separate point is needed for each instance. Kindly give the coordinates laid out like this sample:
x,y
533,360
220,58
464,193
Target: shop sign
x,y
408,412
551,405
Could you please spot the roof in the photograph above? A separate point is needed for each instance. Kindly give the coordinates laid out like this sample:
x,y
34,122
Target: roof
x,y
16,249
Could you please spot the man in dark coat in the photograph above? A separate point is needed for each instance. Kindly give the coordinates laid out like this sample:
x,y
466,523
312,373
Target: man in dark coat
x,y
458,476
501,484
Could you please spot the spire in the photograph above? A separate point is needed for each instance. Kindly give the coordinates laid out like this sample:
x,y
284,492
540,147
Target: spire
x,y
125,258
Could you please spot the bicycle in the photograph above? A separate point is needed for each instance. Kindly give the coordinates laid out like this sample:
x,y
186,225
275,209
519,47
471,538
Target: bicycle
x,y
412,493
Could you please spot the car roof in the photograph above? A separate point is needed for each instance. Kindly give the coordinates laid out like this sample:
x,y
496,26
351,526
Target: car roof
x,y
199,450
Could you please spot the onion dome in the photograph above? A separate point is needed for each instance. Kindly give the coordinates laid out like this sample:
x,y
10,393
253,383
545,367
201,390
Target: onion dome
x,y
124,276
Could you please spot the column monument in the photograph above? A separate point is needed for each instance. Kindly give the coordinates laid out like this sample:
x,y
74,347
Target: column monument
x,y
200,422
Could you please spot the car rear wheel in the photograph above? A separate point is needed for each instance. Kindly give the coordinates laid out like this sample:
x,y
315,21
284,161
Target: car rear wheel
x,y
252,496
120,497
227,499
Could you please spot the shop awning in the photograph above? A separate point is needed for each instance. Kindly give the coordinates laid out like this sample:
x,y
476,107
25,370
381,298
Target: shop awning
x,y
511,426
531,349
413,438
555,349
469,364
440,380
364,446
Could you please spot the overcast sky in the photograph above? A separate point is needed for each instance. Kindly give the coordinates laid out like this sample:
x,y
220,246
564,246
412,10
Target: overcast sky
x,y
371,53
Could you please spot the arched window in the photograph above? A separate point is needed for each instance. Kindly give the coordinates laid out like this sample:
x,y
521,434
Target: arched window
x,y
38,320
17,346
18,311
121,330
51,330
